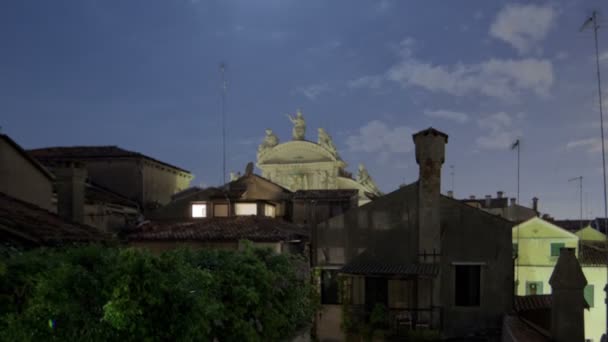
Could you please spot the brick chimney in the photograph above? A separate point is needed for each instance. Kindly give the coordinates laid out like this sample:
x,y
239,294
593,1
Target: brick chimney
x,y
499,194
535,203
70,180
513,201
430,155
568,300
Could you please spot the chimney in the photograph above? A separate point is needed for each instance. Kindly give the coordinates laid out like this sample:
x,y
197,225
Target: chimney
x,y
472,197
535,203
488,201
70,182
512,201
450,194
499,194
567,298
430,155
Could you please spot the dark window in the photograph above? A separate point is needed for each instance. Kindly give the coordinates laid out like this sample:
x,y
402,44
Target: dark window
x,y
329,287
376,292
467,285
555,247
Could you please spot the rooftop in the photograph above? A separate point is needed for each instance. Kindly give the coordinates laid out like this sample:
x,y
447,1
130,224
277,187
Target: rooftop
x,y
219,229
27,156
23,222
325,194
48,155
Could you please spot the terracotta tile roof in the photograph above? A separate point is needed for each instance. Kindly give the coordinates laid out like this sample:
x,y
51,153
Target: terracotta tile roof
x,y
432,131
534,302
593,254
370,263
217,229
495,203
23,222
49,155
518,329
27,156
571,225
325,194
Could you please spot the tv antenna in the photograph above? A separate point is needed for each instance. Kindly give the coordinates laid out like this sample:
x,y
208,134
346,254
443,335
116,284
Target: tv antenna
x,y
580,190
224,89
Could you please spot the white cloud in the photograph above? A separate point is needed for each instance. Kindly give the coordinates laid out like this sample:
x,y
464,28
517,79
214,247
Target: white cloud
x,y
591,145
314,90
604,56
448,115
499,132
504,79
523,26
372,82
378,137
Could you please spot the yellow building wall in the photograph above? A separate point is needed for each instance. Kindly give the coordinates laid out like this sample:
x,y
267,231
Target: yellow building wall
x,y
536,265
590,234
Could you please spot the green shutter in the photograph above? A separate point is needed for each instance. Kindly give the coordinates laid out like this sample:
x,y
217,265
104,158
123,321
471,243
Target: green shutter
x,y
555,247
589,295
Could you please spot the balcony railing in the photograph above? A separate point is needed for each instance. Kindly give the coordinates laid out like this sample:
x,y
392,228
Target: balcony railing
x,y
402,320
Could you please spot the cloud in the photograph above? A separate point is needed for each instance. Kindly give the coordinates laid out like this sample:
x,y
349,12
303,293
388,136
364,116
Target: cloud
x,y
591,145
505,79
523,26
314,90
499,132
604,56
383,6
378,137
448,115
478,15
371,82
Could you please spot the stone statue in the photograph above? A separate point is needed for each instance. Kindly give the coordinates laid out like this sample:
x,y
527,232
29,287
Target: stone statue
x,y
270,141
365,179
299,126
325,141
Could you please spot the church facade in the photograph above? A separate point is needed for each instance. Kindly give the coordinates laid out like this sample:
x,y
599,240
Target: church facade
x,y
301,164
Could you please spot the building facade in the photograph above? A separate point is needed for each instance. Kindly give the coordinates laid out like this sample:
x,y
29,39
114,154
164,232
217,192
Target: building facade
x,y
537,244
302,164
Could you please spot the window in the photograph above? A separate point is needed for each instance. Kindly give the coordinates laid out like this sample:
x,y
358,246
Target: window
x,y
515,250
246,209
555,247
467,285
589,295
329,287
270,210
199,210
534,288
220,210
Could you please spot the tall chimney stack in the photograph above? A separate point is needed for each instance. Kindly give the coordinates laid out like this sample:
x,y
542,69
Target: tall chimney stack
x,y
70,179
499,194
488,201
513,201
450,194
568,299
430,155
535,203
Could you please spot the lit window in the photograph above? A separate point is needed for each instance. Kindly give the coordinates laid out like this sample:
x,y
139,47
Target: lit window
x,y
199,210
534,288
220,210
246,209
270,210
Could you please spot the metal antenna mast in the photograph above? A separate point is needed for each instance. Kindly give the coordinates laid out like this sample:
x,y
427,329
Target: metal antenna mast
x,y
592,20
452,174
580,189
224,89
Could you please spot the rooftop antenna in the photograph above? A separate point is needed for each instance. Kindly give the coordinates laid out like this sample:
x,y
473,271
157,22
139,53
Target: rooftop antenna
x,y
592,22
224,89
580,189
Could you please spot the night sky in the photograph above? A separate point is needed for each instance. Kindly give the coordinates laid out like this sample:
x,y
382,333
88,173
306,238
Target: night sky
x,y
144,75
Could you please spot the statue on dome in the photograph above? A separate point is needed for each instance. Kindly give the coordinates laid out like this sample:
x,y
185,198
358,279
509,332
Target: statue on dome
x,y
299,126
270,141
325,141
365,179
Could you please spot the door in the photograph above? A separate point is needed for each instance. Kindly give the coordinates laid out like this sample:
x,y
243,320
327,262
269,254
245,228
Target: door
x,y
376,292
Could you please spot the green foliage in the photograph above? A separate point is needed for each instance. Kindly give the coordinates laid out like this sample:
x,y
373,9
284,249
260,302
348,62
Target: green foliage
x,y
99,294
